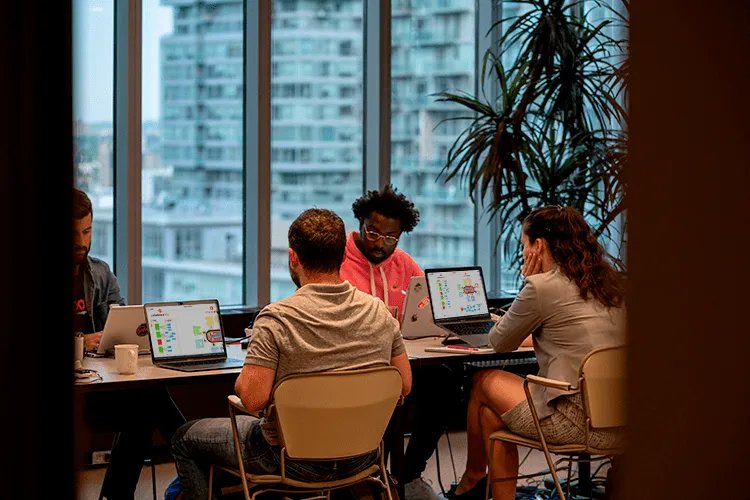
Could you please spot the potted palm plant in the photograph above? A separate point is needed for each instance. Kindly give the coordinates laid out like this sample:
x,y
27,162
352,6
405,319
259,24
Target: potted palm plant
x,y
555,132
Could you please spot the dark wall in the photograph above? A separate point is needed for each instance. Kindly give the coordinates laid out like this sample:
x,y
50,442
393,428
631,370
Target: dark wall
x,y
689,219
36,156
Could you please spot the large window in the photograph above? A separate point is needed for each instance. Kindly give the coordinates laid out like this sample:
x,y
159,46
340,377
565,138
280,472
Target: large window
x,y
432,51
192,171
199,204
93,107
316,134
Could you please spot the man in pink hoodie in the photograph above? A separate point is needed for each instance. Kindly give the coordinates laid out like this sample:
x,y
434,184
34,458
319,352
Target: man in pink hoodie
x,y
374,265
372,262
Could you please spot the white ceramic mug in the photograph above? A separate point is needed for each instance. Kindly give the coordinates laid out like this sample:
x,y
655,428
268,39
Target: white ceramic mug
x,y
78,348
126,358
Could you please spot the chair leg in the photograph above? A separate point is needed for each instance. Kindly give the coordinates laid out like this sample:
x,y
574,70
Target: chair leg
x,y
570,468
384,473
238,451
553,471
547,455
489,470
210,482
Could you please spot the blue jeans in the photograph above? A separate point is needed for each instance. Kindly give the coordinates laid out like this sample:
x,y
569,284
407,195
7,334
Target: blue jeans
x,y
200,443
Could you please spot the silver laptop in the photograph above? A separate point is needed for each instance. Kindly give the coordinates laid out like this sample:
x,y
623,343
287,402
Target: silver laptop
x,y
187,336
417,319
459,303
125,325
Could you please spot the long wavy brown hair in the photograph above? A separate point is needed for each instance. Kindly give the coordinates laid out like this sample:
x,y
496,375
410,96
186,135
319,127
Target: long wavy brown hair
x,y
578,253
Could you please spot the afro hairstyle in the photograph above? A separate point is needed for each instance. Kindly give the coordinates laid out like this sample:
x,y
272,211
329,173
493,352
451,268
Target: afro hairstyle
x,y
389,203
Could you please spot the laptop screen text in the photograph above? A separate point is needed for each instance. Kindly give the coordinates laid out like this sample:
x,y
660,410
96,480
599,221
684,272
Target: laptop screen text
x,y
186,330
457,295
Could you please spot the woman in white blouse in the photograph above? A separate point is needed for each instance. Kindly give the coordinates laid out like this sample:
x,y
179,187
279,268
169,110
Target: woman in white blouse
x,y
572,302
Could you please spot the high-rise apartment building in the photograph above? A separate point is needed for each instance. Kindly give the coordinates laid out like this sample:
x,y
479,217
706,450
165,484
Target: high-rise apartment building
x,y
432,50
193,186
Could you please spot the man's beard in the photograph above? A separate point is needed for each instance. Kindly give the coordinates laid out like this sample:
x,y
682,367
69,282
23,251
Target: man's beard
x,y
295,276
80,258
377,259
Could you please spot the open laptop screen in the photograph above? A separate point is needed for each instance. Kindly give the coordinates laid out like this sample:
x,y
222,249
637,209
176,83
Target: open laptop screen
x,y
185,330
457,294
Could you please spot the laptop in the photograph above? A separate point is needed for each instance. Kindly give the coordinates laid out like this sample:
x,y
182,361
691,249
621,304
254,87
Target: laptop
x,y
125,325
459,303
188,336
417,319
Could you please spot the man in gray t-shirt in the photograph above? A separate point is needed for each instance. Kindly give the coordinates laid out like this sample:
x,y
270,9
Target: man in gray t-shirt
x,y
327,324
324,327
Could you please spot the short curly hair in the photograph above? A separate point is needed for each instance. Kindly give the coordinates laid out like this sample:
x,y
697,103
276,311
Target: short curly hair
x,y
389,203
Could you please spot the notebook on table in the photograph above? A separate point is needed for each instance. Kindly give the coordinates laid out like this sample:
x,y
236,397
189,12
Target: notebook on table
x,y
188,336
459,303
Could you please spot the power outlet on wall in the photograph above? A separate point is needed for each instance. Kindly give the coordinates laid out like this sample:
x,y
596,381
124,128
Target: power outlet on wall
x,y
100,457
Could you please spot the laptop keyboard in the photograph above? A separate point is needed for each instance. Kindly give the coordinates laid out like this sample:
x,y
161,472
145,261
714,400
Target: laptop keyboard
x,y
470,328
206,362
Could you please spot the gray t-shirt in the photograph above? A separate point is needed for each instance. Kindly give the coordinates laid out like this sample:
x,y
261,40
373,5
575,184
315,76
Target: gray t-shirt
x,y
324,328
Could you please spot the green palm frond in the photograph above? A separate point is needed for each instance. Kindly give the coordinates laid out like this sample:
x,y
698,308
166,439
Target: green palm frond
x,y
557,133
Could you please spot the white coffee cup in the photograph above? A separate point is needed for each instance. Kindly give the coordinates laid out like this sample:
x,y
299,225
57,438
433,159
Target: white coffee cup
x,y
78,348
126,358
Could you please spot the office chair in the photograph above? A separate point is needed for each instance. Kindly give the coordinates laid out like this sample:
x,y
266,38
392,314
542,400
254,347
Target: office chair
x,y
601,382
324,416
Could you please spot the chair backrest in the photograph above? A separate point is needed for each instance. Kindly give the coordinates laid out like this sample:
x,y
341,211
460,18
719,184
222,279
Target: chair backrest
x,y
603,386
331,415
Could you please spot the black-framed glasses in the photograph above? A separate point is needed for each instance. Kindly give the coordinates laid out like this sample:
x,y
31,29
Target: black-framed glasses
x,y
374,236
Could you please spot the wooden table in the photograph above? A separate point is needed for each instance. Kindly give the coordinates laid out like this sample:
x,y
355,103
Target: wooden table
x,y
149,375
419,357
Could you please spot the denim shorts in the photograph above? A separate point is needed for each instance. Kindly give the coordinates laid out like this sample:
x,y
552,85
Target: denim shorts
x,y
266,459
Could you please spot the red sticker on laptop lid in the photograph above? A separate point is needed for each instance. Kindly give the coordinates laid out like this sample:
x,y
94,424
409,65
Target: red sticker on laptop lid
x,y
423,302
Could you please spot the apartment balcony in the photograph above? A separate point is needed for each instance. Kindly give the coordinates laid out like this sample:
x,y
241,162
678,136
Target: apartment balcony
x,y
449,67
433,68
411,101
434,37
194,266
447,6
309,168
457,228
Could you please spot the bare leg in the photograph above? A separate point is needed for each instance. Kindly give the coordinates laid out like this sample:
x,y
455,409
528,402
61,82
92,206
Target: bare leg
x,y
504,460
495,391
